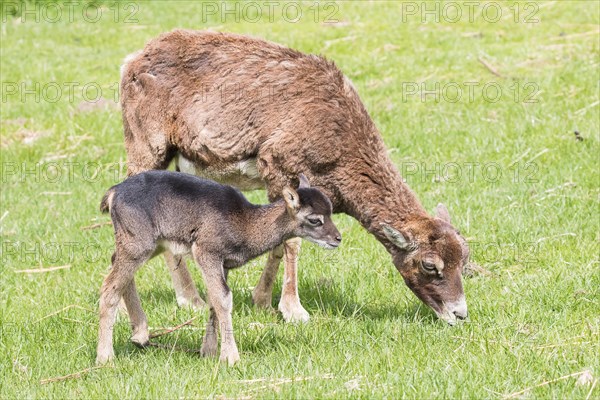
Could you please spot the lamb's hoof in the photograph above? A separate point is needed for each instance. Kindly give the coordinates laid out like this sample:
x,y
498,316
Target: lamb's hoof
x,y
293,312
230,358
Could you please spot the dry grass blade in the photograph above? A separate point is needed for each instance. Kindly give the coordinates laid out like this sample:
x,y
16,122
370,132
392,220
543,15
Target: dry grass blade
x,y
274,383
471,270
490,67
584,109
95,226
74,375
589,395
577,35
166,331
520,392
40,270
61,310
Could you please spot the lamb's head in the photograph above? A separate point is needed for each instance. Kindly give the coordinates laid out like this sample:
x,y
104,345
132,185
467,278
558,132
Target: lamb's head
x,y
430,255
311,210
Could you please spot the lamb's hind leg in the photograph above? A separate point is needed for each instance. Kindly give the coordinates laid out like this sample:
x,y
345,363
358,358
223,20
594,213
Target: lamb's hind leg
x,y
119,278
220,299
139,323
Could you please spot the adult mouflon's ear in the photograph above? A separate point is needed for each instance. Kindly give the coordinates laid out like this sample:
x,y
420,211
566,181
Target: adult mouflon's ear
x,y
304,183
442,213
147,81
397,238
292,200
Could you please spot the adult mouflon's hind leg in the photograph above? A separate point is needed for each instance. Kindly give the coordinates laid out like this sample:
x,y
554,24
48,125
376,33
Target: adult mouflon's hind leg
x,y
263,292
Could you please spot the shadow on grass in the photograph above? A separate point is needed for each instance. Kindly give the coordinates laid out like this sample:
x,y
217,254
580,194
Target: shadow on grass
x,y
318,296
326,297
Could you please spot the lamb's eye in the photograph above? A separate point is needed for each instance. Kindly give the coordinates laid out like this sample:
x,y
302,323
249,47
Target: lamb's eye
x,y
429,267
315,221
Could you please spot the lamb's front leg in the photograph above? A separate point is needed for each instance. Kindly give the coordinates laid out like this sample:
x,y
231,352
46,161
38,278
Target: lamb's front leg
x,y
289,305
221,303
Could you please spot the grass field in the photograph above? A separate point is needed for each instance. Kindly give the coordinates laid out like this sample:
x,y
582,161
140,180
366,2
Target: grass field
x,y
503,156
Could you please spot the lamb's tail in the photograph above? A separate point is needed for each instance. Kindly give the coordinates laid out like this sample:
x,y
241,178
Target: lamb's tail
x,y
106,202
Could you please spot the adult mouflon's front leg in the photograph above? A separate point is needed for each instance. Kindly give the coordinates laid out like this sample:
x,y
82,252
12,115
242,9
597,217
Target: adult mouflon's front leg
x,y
289,304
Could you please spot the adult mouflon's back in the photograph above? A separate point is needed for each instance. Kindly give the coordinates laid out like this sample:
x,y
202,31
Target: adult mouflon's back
x,y
229,102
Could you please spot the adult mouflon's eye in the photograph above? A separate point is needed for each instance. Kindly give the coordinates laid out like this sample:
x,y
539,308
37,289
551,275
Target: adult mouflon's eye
x,y
429,267
315,221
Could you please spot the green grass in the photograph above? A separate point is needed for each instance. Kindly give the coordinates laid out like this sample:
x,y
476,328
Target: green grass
x,y
534,317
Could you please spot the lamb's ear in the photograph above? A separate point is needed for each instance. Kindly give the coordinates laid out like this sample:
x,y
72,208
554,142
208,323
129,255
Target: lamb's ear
x,y
396,238
292,200
304,183
442,213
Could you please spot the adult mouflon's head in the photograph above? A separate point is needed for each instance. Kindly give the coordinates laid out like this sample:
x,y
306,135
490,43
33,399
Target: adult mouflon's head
x,y
430,255
312,211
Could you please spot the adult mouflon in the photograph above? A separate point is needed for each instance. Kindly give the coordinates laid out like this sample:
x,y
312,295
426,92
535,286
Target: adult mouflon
x,y
256,114
159,210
